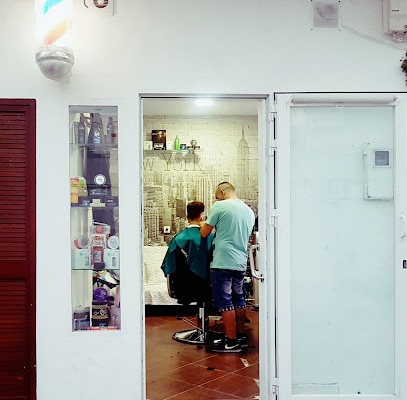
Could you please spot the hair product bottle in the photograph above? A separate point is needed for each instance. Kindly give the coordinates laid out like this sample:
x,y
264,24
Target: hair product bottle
x,y
109,131
81,130
176,143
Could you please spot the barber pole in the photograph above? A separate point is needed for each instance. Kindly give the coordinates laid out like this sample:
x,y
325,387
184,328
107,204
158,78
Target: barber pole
x,y
54,54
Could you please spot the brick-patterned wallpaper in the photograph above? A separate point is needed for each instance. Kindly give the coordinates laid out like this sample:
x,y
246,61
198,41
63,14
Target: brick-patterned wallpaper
x,y
228,151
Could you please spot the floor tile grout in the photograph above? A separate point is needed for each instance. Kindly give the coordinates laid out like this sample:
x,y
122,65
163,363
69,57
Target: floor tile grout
x,y
166,327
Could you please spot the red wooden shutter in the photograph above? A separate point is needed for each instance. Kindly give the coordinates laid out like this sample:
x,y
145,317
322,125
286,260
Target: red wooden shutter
x,y
17,249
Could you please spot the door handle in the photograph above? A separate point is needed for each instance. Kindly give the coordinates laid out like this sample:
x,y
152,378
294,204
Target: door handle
x,y
253,269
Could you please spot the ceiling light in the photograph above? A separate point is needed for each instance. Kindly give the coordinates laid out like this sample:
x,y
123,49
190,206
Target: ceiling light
x,y
204,102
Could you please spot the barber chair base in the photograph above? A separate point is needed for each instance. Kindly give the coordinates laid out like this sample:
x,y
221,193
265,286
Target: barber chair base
x,y
196,336
191,336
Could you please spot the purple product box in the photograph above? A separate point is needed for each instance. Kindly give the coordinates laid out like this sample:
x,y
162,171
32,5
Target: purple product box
x,y
84,201
112,201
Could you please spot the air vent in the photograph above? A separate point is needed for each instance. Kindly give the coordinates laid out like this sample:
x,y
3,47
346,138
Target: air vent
x,y
325,14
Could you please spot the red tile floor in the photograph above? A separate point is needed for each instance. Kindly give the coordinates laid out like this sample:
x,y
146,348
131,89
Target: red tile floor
x,y
179,371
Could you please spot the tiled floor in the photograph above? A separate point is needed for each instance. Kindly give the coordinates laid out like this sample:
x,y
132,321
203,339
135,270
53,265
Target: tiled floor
x,y
180,371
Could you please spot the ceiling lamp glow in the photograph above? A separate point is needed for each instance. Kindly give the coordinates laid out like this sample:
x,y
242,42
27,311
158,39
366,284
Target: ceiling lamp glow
x,y
204,102
54,55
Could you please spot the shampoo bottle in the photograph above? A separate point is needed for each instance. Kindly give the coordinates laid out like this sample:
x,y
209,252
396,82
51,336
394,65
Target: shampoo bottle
x,y
176,143
109,131
96,129
81,130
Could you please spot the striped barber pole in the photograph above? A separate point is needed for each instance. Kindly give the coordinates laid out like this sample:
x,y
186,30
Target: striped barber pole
x,y
54,54
54,19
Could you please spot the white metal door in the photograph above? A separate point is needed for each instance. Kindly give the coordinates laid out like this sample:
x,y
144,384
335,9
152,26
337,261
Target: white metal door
x,y
265,252
340,245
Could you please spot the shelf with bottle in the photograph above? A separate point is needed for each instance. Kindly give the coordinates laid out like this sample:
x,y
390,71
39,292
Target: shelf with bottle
x,y
94,195
90,132
93,202
160,145
80,260
95,266
173,151
97,250
100,148
94,217
99,307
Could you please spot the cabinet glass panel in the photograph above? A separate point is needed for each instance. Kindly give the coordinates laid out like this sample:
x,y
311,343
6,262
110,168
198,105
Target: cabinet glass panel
x,y
94,198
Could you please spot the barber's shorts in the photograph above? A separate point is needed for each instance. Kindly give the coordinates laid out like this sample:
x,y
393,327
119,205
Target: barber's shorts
x,y
227,288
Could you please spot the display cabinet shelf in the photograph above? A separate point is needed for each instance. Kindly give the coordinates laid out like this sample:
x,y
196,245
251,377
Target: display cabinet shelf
x,y
184,151
97,202
98,147
94,203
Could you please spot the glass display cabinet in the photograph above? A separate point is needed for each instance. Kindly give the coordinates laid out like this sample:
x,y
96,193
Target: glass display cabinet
x,y
94,200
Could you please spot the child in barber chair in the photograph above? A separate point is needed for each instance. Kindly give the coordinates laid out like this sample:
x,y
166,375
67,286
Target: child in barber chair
x,y
188,258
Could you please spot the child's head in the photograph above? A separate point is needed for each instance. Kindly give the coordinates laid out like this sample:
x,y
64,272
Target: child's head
x,y
195,209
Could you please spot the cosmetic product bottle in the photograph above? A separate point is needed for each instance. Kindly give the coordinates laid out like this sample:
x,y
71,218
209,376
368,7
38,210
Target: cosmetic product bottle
x,y
109,131
81,130
176,143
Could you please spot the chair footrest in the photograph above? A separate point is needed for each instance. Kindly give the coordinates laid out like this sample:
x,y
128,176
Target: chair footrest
x,y
196,336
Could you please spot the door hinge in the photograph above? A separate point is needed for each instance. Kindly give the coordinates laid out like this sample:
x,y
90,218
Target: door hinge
x,y
274,385
274,218
273,147
273,112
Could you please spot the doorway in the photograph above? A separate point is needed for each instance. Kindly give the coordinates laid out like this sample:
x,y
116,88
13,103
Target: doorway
x,y
218,141
340,197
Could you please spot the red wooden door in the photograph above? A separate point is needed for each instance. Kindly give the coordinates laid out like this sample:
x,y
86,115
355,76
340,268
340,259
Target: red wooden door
x,y
17,249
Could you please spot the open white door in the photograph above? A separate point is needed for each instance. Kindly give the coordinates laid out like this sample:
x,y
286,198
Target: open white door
x,y
265,252
341,246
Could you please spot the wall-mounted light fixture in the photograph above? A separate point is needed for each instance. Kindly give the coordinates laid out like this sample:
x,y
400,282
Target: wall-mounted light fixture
x,y
54,54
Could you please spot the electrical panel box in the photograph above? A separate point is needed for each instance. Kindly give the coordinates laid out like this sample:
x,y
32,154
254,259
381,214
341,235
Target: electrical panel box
x,y
378,173
394,16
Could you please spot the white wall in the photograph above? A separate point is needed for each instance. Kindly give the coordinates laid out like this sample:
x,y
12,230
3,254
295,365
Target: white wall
x,y
161,46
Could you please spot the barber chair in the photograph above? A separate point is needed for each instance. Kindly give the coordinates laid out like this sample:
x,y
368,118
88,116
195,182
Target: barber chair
x,y
188,288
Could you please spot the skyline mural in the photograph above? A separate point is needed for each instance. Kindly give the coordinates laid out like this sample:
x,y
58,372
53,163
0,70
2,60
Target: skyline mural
x,y
174,178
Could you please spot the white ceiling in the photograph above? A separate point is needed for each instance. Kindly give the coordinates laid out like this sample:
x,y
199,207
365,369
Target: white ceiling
x,y
188,106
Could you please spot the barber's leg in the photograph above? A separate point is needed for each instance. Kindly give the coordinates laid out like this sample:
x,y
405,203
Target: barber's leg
x,y
240,320
229,323
239,301
222,293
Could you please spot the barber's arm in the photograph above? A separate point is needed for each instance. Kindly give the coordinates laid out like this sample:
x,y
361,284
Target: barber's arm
x,y
206,229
